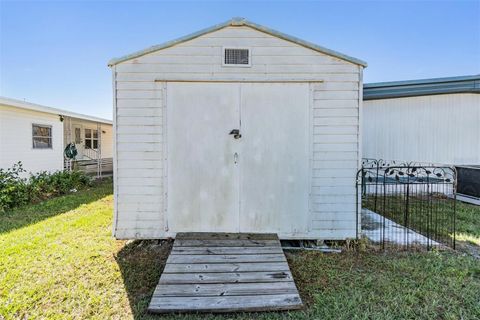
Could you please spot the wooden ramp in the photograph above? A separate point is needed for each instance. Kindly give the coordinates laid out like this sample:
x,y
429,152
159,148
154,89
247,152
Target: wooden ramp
x,y
225,272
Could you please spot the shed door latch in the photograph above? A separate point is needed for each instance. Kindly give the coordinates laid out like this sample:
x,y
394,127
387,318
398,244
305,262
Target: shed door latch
x,y
236,133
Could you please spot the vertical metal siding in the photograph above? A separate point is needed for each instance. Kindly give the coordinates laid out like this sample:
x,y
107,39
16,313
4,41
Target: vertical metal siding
x,y
437,129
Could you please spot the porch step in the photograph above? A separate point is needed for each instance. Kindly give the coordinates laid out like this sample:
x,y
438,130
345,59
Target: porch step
x,y
225,272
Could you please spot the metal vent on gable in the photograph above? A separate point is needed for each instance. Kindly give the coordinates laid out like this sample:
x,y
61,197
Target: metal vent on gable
x,y
234,56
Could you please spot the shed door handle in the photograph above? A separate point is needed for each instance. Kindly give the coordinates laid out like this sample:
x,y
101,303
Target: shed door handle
x,y
235,158
236,133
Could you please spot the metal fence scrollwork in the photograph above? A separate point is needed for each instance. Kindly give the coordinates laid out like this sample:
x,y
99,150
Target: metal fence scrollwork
x,y
407,205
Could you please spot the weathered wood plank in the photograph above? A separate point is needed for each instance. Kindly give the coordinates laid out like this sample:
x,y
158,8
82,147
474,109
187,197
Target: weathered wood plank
x,y
225,277
225,243
225,304
211,258
225,272
224,289
226,250
225,267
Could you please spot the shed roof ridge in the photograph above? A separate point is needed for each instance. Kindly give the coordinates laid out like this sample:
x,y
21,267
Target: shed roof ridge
x,y
238,21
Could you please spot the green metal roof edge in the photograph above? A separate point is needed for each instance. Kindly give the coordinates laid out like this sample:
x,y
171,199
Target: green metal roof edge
x,y
238,22
421,81
422,87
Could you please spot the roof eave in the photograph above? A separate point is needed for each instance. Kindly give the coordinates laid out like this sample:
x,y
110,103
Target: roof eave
x,y
238,22
40,108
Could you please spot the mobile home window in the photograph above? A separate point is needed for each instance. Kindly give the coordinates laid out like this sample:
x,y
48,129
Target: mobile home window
x,y
91,138
41,136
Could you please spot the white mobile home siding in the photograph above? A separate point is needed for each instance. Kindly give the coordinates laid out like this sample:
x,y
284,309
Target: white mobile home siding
x,y
437,128
140,173
16,140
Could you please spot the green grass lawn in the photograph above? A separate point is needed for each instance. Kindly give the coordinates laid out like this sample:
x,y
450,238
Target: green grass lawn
x,y
59,261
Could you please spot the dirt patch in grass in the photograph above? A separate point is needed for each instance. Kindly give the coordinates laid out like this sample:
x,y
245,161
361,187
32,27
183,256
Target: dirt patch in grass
x,y
141,263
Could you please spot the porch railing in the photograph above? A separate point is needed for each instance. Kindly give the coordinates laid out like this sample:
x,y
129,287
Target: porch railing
x,y
90,153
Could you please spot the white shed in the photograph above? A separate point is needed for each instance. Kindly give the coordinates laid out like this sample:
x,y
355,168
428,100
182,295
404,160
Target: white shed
x,y
236,128
429,120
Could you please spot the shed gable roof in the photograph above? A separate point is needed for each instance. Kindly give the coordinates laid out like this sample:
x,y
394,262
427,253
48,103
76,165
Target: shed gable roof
x,y
235,22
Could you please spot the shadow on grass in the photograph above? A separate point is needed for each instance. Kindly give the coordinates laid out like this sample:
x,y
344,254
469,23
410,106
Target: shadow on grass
x,y
29,214
141,263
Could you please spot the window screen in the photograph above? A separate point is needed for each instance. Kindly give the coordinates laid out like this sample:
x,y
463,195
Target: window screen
x,y
236,56
41,136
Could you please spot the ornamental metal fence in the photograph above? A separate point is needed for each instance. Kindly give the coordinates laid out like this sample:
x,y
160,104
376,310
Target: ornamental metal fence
x,y
407,205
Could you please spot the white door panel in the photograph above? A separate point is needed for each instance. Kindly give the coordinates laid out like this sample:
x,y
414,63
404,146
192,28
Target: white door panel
x,y
266,190
274,158
202,176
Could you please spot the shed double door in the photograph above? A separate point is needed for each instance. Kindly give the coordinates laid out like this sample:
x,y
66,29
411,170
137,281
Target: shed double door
x,y
255,180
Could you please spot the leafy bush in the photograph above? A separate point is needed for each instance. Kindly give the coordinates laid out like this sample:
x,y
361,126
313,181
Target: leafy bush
x,y
13,188
16,191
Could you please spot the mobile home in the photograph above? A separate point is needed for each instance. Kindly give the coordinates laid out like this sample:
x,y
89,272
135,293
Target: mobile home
x,y
236,128
37,135
428,120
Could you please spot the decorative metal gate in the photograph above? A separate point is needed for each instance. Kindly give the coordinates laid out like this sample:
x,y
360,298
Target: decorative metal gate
x,y
407,205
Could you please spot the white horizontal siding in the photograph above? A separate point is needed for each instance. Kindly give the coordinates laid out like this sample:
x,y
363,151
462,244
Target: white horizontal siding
x,y
140,118
335,130
141,173
255,68
139,129
138,181
338,199
337,173
138,155
238,75
335,147
335,158
332,181
139,163
140,112
334,224
329,214
335,112
335,138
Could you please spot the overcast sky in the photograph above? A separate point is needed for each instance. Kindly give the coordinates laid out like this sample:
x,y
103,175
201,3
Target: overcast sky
x,y
55,53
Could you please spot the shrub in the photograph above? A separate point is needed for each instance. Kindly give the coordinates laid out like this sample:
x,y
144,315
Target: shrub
x,y
44,185
13,188
16,191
